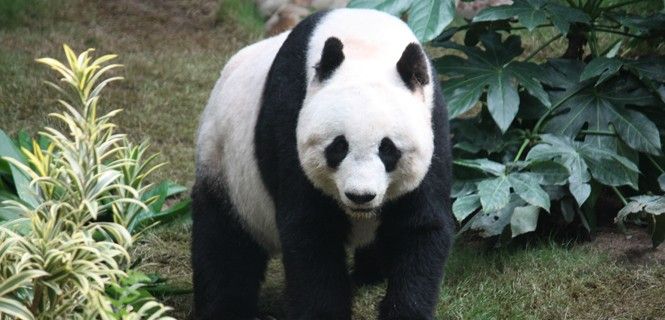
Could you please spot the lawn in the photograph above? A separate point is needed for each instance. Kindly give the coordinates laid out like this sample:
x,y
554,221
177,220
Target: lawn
x,y
173,52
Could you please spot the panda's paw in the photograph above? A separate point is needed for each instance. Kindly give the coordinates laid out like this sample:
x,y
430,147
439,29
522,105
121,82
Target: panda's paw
x,y
265,317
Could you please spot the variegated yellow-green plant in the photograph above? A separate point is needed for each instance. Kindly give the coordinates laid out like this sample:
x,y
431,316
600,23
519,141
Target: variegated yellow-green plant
x,y
57,260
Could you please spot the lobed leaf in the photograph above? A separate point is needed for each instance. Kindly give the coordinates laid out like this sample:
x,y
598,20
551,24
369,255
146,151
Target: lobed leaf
x,y
532,13
465,205
524,220
492,69
526,185
494,193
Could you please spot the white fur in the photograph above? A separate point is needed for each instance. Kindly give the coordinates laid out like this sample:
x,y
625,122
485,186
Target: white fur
x,y
226,138
365,100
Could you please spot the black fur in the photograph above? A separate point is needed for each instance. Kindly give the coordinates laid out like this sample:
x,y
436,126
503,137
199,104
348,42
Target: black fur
x,y
331,58
412,241
311,227
367,266
228,264
389,154
336,151
412,67
415,235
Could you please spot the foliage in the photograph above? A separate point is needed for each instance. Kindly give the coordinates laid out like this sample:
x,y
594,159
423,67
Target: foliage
x,y
427,18
549,137
58,256
15,184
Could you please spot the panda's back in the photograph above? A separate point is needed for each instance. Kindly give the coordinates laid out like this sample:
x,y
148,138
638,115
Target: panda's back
x,y
225,142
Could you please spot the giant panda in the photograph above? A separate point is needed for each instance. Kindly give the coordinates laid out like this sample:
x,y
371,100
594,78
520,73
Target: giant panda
x,y
328,138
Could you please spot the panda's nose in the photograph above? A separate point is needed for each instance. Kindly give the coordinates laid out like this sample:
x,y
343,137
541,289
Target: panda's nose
x,y
360,198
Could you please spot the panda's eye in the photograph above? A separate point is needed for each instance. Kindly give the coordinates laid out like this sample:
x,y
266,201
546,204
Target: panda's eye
x,y
389,154
336,151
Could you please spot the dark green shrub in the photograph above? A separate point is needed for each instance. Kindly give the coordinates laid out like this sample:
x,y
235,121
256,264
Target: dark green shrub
x,y
550,137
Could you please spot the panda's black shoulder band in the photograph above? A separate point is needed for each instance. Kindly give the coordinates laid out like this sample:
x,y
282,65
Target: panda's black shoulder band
x,y
331,58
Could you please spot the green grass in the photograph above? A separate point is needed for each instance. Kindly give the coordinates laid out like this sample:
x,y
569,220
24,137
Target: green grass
x,y
171,65
543,281
243,13
15,12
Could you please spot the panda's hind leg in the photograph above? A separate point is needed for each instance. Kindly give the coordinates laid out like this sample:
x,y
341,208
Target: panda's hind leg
x,y
228,264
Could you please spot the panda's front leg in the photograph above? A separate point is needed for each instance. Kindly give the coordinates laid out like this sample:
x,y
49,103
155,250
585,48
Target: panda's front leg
x,y
415,238
312,234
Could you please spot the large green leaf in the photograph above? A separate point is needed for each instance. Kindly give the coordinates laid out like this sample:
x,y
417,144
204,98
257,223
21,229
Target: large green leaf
x,y
652,68
21,180
549,172
466,205
580,191
567,210
494,193
484,165
654,205
527,187
603,67
491,69
532,13
524,220
585,160
563,16
563,151
651,24
427,18
603,109
608,167
650,204
14,308
177,212
492,223
478,134
161,192
394,7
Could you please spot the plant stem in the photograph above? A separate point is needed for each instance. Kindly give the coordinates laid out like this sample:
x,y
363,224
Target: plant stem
x,y
537,27
519,153
462,164
598,133
655,164
618,5
619,33
623,199
37,299
540,122
543,46
620,223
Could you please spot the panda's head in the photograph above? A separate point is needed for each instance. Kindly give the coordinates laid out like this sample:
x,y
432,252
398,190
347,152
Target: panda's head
x,y
364,133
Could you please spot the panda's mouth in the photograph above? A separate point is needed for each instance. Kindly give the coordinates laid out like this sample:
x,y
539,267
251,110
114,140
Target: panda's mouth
x,y
362,213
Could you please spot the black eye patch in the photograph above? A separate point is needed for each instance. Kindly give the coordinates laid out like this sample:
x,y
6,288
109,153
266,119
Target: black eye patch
x,y
336,151
389,154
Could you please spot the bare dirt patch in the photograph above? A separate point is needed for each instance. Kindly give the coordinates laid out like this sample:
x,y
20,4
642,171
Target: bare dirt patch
x,y
632,247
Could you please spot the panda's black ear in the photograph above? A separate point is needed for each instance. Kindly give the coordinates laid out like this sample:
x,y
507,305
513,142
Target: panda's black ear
x,y
331,58
412,67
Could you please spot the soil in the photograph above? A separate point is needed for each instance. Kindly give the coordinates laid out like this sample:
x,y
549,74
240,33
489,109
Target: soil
x,y
633,247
